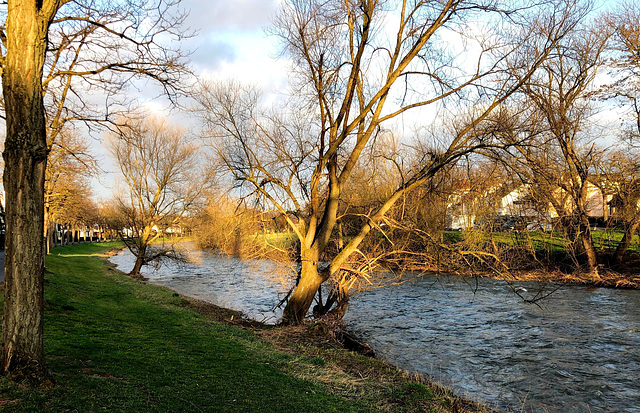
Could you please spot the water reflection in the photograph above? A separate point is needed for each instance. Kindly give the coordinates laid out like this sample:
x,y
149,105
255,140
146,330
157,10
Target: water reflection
x,y
580,352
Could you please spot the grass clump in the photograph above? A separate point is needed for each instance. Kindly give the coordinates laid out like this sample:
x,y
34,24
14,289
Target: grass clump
x,y
116,344
374,382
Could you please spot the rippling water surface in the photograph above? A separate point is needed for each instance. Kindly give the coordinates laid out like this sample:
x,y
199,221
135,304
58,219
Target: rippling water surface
x,y
253,287
580,352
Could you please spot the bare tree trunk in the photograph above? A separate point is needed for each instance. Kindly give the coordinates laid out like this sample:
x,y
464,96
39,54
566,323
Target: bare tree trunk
x,y
140,254
587,244
135,272
25,157
46,229
48,238
49,232
300,301
622,248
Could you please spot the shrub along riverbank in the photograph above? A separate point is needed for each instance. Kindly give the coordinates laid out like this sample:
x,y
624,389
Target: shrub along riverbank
x,y
115,344
511,255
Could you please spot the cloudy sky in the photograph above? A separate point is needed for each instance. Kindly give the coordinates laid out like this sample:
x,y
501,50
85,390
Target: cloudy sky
x,y
231,38
231,43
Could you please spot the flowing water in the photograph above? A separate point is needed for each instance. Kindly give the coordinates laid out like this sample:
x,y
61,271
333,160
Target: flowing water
x,y
578,352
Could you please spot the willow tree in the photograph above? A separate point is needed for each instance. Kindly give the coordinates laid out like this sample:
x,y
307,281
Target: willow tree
x,y
160,167
555,152
358,66
59,49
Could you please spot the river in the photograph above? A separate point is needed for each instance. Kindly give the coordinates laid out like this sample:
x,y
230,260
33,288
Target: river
x,y
578,352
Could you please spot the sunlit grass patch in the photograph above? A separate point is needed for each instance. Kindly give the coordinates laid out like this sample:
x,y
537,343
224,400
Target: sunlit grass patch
x,y
116,344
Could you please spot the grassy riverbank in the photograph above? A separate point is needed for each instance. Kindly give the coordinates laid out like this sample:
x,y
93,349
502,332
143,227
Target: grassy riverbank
x,y
114,344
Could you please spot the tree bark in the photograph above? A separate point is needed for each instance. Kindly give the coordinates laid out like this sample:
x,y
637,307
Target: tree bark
x,y
25,157
622,248
587,244
140,256
135,272
300,301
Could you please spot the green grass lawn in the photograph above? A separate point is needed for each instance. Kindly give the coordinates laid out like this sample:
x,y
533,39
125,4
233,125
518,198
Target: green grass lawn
x,y
277,239
553,242
114,344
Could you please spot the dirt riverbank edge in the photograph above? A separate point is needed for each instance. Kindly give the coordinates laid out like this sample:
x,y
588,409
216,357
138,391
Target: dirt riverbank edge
x,y
343,365
605,278
348,368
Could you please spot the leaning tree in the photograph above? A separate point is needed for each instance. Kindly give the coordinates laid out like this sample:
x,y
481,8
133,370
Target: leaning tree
x,y
359,67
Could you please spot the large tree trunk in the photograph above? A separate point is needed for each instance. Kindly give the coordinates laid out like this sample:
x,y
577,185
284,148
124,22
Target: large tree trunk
x,y
25,157
310,279
300,301
135,272
587,244
140,256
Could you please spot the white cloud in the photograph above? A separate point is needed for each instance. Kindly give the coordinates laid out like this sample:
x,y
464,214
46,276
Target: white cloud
x,y
232,42
225,16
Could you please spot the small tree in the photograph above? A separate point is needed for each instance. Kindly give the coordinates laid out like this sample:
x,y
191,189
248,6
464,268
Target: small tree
x,y
552,143
159,165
